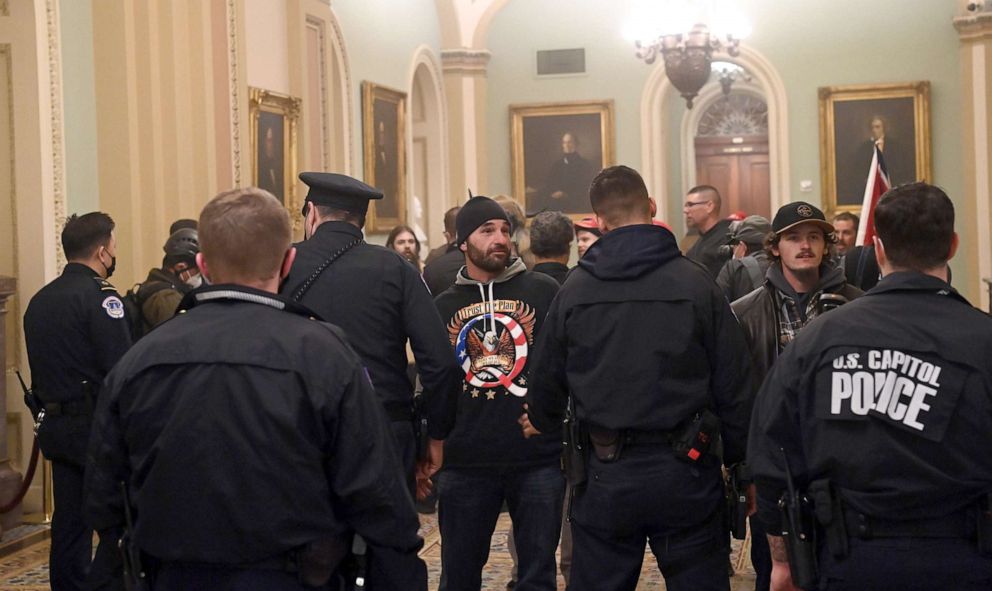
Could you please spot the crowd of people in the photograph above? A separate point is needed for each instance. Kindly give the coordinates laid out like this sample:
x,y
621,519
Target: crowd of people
x,y
259,414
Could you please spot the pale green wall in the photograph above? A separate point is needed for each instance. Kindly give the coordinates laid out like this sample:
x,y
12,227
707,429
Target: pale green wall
x,y
381,37
524,26
79,103
810,44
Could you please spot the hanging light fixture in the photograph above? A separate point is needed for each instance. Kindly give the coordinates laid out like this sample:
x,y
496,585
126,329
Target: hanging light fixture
x,y
686,33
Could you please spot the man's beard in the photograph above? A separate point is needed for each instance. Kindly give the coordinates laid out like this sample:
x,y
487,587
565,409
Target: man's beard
x,y
489,262
411,256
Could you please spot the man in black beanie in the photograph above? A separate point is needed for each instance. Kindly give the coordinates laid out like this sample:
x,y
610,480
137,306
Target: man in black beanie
x,y
493,313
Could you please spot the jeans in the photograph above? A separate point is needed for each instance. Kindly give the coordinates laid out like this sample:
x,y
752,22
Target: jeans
x,y
469,502
649,495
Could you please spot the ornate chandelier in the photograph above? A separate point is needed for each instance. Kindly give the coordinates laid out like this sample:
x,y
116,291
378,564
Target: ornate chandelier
x,y
686,33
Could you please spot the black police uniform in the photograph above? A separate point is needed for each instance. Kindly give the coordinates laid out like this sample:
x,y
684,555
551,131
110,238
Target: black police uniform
x,y
74,330
380,301
245,430
642,340
887,402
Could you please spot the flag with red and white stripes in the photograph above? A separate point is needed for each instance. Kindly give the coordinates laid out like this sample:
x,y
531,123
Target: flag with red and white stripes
x,y
878,184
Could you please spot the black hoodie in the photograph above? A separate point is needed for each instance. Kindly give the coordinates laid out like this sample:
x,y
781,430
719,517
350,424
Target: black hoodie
x,y
493,327
641,338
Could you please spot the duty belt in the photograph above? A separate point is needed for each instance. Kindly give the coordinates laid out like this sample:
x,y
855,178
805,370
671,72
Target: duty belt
x,y
634,437
69,408
955,525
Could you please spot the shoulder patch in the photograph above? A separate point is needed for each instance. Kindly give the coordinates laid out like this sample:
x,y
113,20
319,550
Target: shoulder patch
x,y
104,285
114,307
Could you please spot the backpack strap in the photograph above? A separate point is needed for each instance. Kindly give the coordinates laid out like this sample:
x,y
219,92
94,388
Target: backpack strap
x,y
753,271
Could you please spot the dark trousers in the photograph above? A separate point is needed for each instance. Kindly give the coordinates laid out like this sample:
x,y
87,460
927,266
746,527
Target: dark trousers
x,y
761,555
69,563
406,449
907,564
188,577
649,495
468,507
72,541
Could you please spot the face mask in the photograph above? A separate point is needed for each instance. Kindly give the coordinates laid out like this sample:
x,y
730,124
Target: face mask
x,y
113,265
195,281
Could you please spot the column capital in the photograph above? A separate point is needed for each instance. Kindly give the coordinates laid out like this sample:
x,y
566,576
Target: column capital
x,y
974,27
465,61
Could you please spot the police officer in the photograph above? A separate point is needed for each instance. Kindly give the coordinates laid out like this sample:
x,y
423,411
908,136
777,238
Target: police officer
x,y
880,412
75,331
644,343
380,302
247,433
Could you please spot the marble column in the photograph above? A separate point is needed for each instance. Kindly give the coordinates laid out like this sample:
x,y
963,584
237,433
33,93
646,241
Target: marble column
x,y
465,90
975,32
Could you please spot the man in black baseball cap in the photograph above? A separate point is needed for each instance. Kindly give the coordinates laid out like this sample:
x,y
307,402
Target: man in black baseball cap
x,y
380,302
800,284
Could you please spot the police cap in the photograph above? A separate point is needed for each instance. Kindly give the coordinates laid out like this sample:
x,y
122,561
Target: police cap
x,y
338,191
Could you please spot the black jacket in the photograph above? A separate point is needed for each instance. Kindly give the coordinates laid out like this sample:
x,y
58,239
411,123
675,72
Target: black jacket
x,y
641,338
706,250
760,313
556,271
380,301
495,355
440,273
245,428
917,344
75,331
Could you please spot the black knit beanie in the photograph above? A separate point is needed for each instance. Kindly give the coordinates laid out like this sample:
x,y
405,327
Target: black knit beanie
x,y
476,211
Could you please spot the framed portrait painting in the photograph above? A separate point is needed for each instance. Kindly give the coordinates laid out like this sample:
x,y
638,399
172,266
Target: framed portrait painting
x,y
384,147
853,119
556,150
274,119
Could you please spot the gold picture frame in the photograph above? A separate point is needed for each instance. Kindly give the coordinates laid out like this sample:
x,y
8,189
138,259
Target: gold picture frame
x,y
851,118
543,176
384,149
274,121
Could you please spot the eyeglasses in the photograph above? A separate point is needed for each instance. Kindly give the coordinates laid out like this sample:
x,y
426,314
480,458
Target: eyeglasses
x,y
689,204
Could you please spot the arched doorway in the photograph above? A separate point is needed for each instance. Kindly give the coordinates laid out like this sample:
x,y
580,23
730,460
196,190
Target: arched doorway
x,y
731,151
656,134
428,175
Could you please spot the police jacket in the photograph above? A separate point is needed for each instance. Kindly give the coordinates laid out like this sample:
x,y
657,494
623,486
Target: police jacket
x,y
75,331
641,338
767,328
380,301
245,428
889,397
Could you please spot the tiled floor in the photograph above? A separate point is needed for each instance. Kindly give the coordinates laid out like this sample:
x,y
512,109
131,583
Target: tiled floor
x,y
27,569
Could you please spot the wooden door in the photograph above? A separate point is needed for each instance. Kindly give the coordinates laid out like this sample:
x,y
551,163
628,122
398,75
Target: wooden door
x,y
738,168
